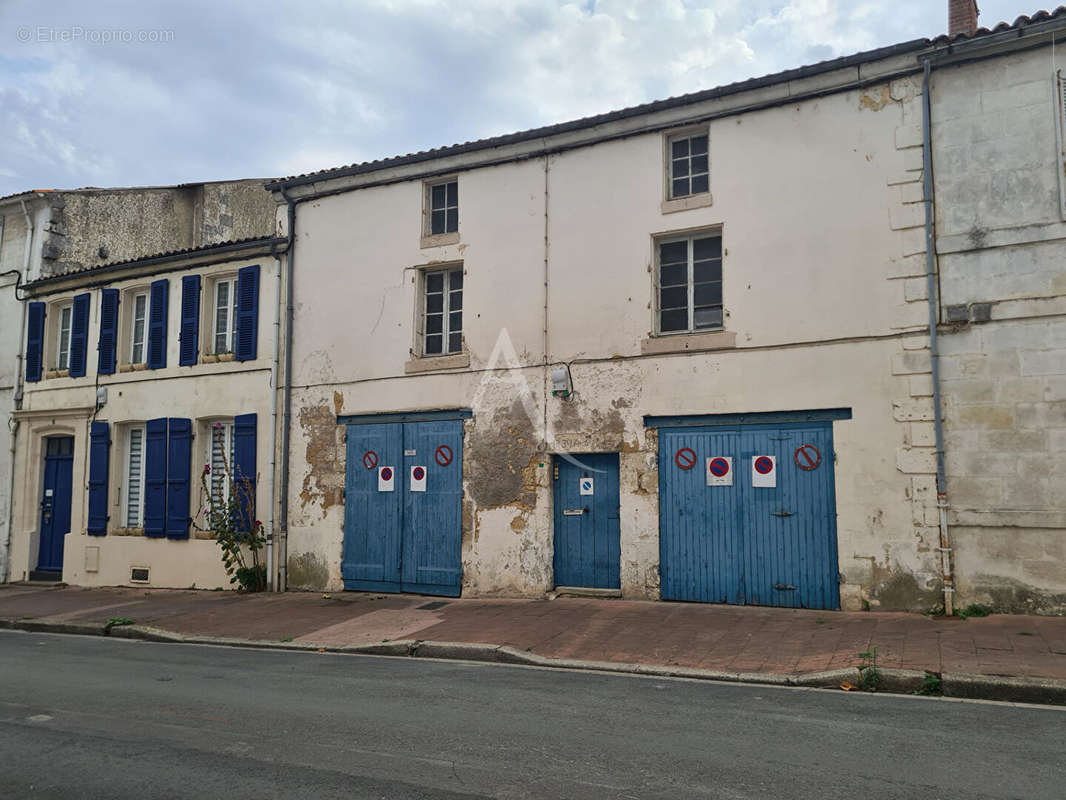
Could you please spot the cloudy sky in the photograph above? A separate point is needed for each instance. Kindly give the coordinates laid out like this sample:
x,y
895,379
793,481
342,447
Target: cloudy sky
x,y
135,93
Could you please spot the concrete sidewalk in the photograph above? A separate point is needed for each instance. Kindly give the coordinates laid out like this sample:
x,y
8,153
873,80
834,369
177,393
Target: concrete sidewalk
x,y
730,642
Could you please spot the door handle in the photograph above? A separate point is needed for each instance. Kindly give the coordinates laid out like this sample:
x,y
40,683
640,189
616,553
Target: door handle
x,y
784,587
781,513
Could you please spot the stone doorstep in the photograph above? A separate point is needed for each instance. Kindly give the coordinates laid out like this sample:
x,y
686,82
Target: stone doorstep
x,y
1001,688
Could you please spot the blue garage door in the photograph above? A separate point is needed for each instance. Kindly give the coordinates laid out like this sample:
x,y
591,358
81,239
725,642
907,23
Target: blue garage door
x,y
402,512
747,514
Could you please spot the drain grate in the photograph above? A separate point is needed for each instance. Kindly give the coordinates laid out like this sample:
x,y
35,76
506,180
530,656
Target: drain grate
x,y
432,606
138,574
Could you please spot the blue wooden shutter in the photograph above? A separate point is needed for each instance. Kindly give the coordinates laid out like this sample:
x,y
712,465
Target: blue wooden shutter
x,y
247,312
155,477
179,465
79,335
108,331
35,342
244,469
99,452
157,324
189,336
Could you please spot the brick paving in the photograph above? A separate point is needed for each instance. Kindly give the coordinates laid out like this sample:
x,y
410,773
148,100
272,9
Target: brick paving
x,y
727,638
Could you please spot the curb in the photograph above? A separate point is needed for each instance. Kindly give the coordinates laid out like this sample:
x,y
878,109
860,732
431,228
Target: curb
x,y
1044,691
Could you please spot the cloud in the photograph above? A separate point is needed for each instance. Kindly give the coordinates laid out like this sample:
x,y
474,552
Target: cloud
x,y
260,89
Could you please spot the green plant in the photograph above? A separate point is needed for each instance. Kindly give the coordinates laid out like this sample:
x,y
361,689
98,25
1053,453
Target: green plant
x,y
114,622
227,508
869,674
931,686
286,639
1026,633
974,610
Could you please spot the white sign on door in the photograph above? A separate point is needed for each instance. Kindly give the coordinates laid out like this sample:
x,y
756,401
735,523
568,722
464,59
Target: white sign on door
x,y
720,471
585,485
386,479
764,472
418,479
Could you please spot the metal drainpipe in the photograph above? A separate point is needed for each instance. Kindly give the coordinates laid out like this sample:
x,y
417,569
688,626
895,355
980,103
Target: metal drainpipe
x,y
5,560
930,285
272,582
283,540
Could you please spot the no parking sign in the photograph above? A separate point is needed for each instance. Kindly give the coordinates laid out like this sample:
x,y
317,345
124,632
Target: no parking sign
x,y
720,471
764,472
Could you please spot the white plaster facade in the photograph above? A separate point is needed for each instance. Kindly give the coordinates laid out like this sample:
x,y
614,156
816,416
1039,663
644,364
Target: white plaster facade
x,y
815,185
215,388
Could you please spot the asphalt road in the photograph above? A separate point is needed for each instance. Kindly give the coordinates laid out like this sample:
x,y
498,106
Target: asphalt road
x,y
103,718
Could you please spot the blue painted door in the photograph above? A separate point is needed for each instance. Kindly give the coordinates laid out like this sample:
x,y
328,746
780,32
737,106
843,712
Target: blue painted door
x,y
587,535
402,528
746,543
55,501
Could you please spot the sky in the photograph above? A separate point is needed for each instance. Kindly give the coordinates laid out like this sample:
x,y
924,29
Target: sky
x,y
135,93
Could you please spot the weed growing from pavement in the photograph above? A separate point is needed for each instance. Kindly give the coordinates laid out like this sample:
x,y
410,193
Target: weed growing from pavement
x,y
1026,633
931,686
869,674
114,622
974,610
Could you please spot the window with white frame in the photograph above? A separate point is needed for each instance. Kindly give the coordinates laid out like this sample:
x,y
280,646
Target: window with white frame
x,y
224,318
689,165
220,458
689,292
442,317
66,315
443,206
138,327
133,502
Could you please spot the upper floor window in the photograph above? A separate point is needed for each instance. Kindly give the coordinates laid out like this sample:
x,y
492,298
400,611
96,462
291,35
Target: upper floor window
x,y
224,315
443,312
690,283
138,317
443,208
66,316
689,165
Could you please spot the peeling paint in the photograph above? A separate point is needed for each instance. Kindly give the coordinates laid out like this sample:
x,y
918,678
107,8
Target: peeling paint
x,y
875,103
307,571
325,456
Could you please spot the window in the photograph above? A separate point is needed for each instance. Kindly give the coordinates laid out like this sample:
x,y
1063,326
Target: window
x,y
690,283
443,314
689,167
225,316
133,505
66,314
220,456
138,316
443,208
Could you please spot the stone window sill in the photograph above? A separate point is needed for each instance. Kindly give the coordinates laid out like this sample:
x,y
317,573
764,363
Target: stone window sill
x,y
132,367
57,373
214,358
688,342
685,203
436,363
128,532
439,240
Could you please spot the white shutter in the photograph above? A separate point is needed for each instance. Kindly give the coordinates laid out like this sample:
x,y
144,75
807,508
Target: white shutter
x,y
134,464
1060,135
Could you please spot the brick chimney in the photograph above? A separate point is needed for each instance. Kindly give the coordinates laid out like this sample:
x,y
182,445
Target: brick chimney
x,y
962,17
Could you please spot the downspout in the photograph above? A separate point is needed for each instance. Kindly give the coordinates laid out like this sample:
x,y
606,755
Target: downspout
x,y
283,539
20,375
274,365
544,378
930,285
